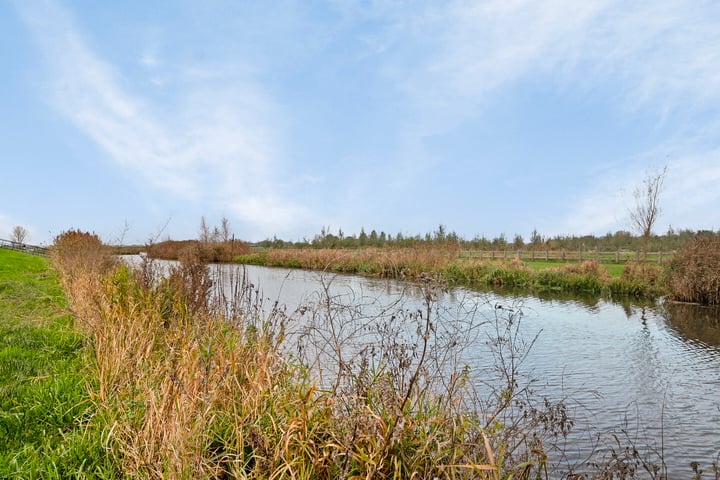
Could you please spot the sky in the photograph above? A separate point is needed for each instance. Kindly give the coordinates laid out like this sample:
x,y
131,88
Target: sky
x,y
135,119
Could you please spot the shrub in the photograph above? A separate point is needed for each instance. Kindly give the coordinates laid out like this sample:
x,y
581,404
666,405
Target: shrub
x,y
75,250
694,273
210,251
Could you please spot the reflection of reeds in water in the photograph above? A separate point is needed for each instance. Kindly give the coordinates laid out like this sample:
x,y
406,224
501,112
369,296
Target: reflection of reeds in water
x,y
695,322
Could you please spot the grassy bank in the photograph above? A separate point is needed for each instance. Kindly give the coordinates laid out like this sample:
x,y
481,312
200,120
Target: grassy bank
x,y
47,426
583,277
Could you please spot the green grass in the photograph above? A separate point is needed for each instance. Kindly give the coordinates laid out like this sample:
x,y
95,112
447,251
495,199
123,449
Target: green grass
x,y
614,269
46,414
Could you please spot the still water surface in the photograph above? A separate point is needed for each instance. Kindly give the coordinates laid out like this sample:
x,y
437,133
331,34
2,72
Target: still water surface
x,y
652,371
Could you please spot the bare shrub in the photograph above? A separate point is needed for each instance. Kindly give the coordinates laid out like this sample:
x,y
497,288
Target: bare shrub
x,y
75,252
694,273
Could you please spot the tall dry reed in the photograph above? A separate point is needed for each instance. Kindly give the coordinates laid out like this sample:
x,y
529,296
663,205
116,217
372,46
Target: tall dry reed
x,y
694,273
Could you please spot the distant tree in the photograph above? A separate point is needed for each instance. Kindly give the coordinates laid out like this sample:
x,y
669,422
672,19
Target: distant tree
x,y
518,241
205,234
535,238
363,238
225,234
647,206
18,234
373,238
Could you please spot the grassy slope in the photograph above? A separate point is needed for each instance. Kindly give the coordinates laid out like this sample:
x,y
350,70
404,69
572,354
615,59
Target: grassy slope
x,y
45,408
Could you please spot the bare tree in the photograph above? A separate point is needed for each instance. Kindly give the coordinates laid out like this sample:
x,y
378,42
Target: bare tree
x,y
225,234
19,234
205,234
647,206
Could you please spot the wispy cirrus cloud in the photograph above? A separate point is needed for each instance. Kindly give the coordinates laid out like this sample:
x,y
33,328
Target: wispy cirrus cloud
x,y
215,140
654,53
660,59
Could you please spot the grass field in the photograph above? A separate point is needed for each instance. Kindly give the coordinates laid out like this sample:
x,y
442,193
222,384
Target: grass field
x,y
46,416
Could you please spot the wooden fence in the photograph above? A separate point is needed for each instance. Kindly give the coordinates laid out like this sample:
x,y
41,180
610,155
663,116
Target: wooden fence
x,y
620,256
23,247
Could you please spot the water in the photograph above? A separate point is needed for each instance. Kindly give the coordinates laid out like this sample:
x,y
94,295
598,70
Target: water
x,y
650,374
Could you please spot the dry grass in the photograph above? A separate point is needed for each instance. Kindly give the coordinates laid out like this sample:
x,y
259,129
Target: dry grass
x,y
209,251
382,262
694,274
193,382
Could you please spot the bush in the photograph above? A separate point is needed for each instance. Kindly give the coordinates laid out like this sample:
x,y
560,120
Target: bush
x,y
694,273
75,250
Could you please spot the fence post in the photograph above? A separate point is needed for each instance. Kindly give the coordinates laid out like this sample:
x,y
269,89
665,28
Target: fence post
x,y
660,258
617,256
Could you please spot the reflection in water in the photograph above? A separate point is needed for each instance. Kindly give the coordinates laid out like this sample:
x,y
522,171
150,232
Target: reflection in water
x,y
696,323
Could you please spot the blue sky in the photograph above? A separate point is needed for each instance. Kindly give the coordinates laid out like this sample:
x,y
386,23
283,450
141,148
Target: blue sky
x,y
134,119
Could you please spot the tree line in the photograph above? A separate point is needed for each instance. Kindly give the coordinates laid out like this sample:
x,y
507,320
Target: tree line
x,y
617,241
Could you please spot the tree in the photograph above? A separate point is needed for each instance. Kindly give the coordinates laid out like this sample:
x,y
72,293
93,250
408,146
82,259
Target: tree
x,y
518,241
205,234
647,206
225,234
19,234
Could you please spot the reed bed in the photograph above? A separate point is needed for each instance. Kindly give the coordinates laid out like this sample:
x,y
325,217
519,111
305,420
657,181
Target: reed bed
x,y
588,276
694,273
195,382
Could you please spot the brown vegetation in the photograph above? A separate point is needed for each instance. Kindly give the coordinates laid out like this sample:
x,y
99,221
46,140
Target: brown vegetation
x,y
694,274
210,251
192,382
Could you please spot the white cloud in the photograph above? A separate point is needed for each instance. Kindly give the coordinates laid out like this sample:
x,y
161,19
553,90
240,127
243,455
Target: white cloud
x,y
214,143
661,57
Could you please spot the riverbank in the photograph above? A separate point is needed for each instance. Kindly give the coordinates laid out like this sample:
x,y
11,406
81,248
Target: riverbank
x,y
628,279
194,378
190,376
47,423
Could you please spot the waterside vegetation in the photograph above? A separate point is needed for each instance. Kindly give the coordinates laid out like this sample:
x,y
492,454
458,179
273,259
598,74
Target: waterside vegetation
x,y
588,276
188,382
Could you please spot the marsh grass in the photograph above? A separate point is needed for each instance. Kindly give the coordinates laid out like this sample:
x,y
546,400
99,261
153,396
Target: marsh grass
x,y
694,273
589,276
193,377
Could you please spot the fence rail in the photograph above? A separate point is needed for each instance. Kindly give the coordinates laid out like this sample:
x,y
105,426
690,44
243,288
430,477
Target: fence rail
x,y
23,247
619,256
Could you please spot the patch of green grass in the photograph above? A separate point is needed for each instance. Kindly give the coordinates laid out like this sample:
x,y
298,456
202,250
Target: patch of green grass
x,y
614,269
46,414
